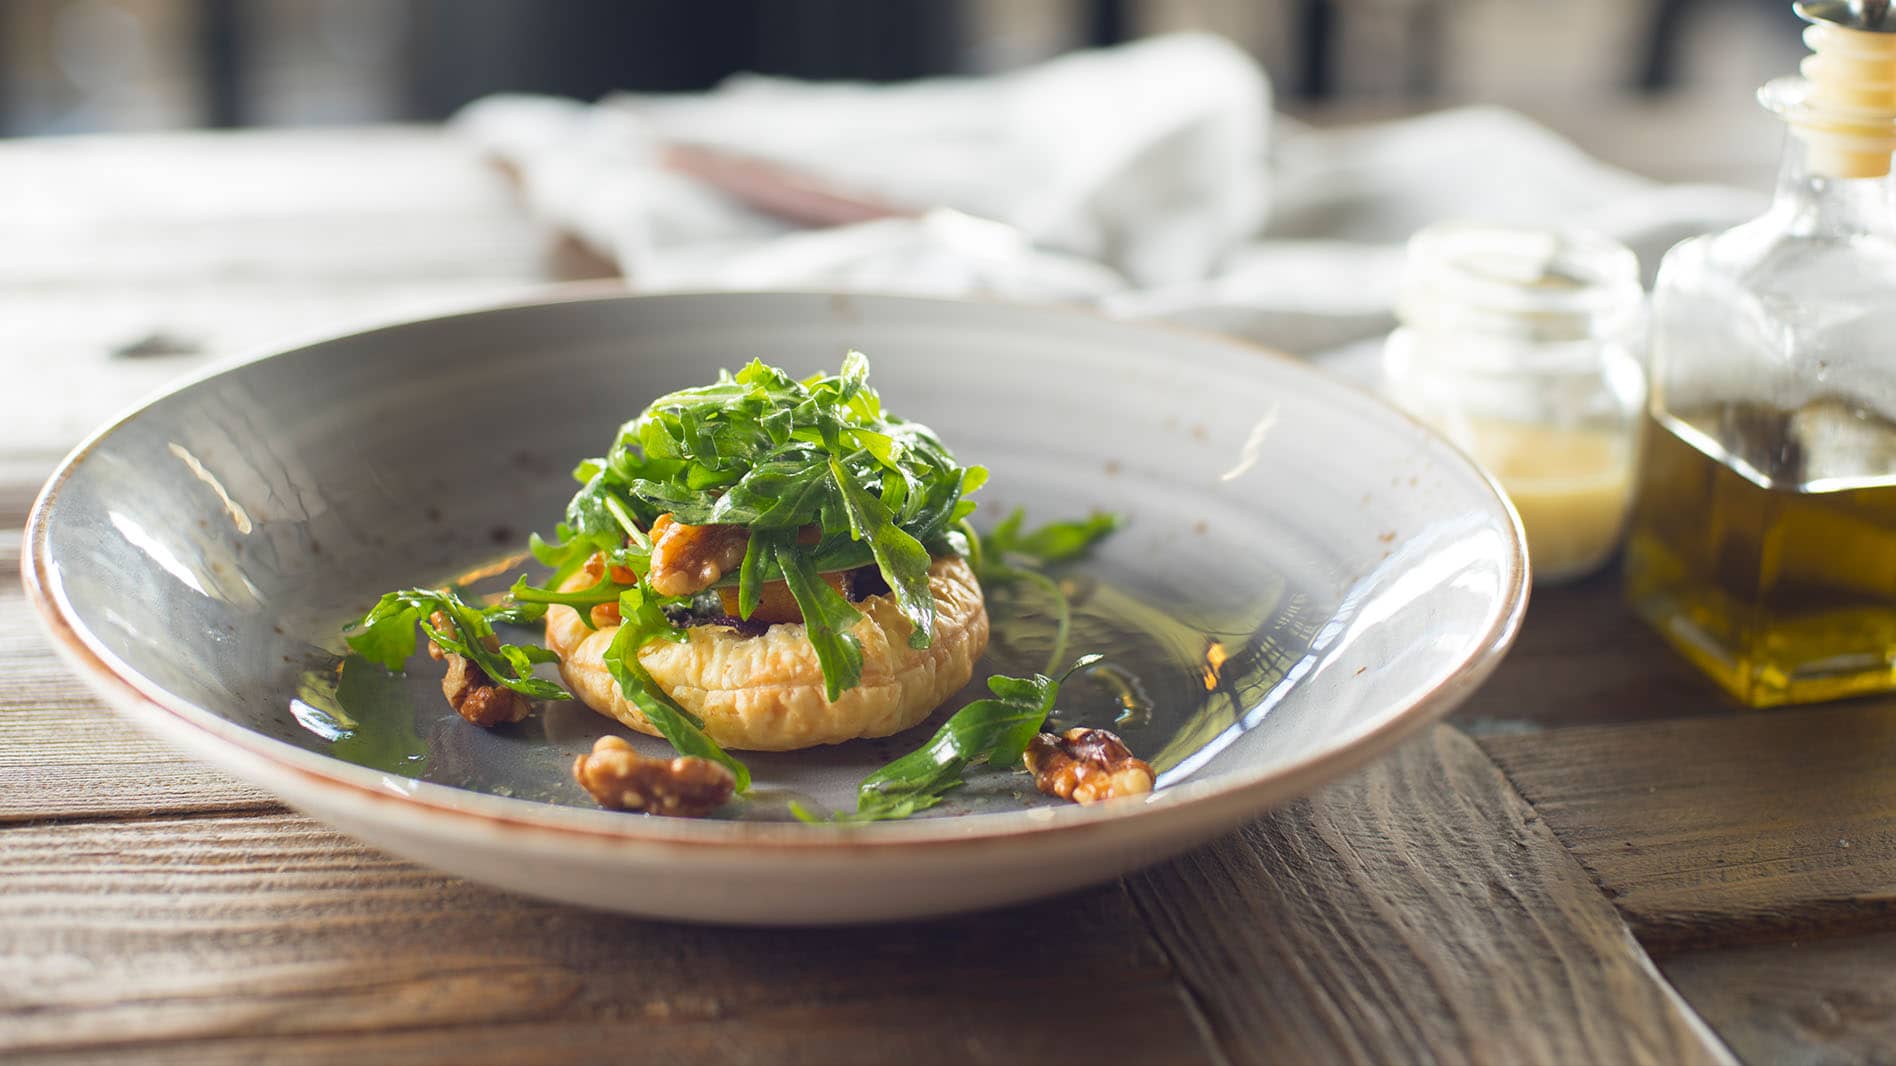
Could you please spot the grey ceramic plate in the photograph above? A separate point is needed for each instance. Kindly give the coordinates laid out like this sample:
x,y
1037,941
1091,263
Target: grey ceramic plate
x,y
1306,577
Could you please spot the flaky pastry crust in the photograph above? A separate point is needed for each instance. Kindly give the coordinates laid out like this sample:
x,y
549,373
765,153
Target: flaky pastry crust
x,y
765,693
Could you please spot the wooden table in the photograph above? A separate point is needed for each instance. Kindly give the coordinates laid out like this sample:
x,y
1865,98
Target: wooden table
x,y
1599,861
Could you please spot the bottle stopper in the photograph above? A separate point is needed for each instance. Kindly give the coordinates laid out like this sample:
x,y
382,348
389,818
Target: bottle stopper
x,y
1844,107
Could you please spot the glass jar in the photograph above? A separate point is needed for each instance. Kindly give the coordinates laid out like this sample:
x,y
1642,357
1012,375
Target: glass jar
x,y
1522,347
1764,540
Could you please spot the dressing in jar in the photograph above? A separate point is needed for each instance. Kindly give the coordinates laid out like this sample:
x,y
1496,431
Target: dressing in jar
x,y
1522,347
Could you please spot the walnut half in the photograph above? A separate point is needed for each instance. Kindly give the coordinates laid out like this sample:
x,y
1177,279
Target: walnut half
x,y
473,695
688,559
1086,765
623,780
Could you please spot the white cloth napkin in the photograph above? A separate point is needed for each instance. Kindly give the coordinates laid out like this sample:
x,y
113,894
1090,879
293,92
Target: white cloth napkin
x,y
1150,179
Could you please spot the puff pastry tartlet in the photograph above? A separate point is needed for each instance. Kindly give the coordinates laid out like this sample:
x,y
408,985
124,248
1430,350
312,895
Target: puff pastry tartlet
x,y
764,692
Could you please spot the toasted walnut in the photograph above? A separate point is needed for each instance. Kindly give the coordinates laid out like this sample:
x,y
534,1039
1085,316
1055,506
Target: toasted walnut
x,y
688,559
623,780
1086,765
473,695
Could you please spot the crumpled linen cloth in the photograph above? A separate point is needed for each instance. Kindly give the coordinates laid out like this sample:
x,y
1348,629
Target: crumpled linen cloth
x,y
1151,180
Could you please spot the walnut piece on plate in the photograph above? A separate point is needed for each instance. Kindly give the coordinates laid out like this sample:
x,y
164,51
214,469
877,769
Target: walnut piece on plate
x,y
621,779
473,695
1085,766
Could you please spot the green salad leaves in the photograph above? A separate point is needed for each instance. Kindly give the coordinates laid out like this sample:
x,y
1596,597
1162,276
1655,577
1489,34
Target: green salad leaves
x,y
387,636
822,480
819,474
995,731
991,731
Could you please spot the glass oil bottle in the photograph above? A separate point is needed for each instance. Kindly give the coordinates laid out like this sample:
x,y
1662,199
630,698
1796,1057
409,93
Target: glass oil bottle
x,y
1763,544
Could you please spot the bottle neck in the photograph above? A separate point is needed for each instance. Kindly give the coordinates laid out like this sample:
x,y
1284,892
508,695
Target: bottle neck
x,y
1818,205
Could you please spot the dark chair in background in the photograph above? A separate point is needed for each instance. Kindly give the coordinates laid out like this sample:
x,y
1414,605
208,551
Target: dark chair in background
x,y
458,50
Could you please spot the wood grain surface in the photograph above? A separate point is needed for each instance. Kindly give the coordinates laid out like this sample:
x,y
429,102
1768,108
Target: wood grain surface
x,y
1727,829
1414,912
222,938
63,754
1421,911
1797,1003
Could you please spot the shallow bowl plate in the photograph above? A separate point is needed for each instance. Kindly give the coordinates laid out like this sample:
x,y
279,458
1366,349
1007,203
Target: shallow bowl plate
x,y
1306,577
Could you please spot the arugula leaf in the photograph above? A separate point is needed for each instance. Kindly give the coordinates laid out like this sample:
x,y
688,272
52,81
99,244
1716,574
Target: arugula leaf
x,y
588,514
386,635
853,377
996,731
569,554
773,495
582,601
1054,542
827,617
642,614
758,555
1037,692
901,558
514,613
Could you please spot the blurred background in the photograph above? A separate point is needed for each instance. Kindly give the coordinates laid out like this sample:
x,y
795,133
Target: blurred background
x,y
74,66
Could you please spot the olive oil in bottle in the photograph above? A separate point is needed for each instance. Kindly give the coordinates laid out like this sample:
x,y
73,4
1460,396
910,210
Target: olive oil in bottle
x,y
1765,548
1763,539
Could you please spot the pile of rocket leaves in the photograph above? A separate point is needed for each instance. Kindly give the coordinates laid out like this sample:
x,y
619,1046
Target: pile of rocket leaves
x,y
824,480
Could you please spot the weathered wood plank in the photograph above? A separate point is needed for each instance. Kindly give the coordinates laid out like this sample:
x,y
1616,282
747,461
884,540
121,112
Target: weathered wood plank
x,y
63,754
1802,1003
1718,830
1584,658
1417,912
204,937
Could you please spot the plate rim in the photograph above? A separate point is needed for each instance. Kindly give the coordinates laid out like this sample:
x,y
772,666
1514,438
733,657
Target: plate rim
x,y
261,759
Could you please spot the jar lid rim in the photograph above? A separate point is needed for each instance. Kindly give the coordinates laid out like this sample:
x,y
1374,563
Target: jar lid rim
x,y
1514,270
